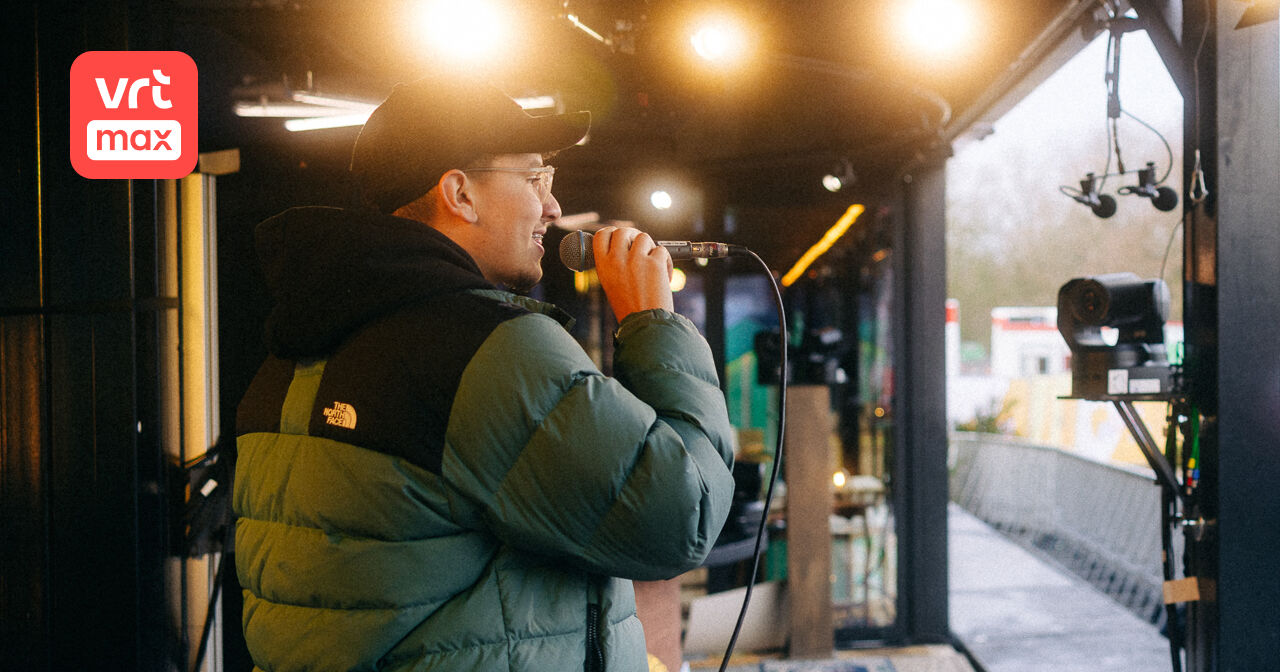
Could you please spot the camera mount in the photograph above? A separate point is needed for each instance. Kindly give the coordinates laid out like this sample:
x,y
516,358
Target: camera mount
x,y
1135,367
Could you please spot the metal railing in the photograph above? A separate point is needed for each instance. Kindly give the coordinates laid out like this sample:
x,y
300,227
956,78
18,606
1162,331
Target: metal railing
x,y
1099,521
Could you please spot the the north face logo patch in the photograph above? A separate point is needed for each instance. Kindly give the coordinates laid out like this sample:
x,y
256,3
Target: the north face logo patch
x,y
341,415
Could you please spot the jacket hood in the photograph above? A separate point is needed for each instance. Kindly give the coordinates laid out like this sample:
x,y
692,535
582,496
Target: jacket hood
x,y
332,270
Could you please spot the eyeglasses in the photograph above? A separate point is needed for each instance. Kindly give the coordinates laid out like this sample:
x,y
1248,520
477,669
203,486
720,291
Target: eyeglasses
x,y
540,177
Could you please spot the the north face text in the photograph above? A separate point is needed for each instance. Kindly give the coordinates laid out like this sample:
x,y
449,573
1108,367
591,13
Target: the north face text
x,y
341,415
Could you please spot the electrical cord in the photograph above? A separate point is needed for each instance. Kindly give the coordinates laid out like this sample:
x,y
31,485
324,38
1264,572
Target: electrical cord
x,y
1114,134
777,452
1113,130
1114,110
1167,149
1173,235
1106,168
1112,78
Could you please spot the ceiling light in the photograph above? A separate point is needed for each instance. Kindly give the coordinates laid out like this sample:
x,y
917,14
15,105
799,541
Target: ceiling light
x,y
331,101
577,23
284,110
840,176
317,123
467,31
719,41
309,111
308,106
537,102
936,26
661,200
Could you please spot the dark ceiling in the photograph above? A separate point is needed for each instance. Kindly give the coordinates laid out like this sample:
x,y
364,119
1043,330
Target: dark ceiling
x,y
831,79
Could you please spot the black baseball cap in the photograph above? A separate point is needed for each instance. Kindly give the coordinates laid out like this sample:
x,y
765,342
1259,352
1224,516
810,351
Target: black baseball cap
x,y
430,126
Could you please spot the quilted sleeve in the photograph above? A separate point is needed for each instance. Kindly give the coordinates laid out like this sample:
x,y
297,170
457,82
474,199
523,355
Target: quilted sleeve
x,y
627,476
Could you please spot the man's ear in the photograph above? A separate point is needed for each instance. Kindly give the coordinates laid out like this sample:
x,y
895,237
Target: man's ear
x,y
457,195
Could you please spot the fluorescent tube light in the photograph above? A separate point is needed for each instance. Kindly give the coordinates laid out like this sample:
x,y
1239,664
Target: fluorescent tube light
x,y
316,123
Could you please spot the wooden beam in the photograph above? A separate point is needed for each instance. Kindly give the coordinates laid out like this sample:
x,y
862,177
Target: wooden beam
x,y
808,463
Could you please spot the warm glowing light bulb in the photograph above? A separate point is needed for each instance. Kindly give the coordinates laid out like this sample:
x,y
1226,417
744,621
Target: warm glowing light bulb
x,y
936,26
458,30
678,279
719,41
839,479
832,183
661,200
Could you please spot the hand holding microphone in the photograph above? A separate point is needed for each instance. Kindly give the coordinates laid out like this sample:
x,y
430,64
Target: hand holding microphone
x,y
634,270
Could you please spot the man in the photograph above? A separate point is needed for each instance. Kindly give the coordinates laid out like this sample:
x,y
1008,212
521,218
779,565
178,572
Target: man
x,y
432,474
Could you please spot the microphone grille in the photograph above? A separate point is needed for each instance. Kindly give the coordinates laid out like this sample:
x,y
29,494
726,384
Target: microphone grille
x,y
576,251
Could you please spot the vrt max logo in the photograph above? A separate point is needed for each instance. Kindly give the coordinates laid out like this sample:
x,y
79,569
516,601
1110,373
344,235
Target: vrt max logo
x,y
133,114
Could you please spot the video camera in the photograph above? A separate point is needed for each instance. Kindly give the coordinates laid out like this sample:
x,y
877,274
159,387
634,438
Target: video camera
x,y
1134,367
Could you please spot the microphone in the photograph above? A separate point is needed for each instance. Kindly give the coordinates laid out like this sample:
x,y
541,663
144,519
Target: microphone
x,y
1164,198
1102,205
576,251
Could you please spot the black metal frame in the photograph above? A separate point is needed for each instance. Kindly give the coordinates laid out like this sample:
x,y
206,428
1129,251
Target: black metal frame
x,y
920,455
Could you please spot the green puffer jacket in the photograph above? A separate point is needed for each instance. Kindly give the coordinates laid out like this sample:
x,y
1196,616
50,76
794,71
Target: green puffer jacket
x,y
432,474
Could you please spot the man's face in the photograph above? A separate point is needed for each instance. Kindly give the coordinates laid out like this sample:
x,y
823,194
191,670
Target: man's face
x,y
511,219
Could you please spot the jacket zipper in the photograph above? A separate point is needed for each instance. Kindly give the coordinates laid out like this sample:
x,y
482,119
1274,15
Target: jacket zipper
x,y
595,653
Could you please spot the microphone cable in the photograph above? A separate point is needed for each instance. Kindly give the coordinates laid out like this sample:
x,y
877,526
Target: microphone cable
x,y
777,451
576,254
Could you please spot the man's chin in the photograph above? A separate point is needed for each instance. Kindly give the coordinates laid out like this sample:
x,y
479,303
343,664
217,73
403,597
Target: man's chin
x,y
525,284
